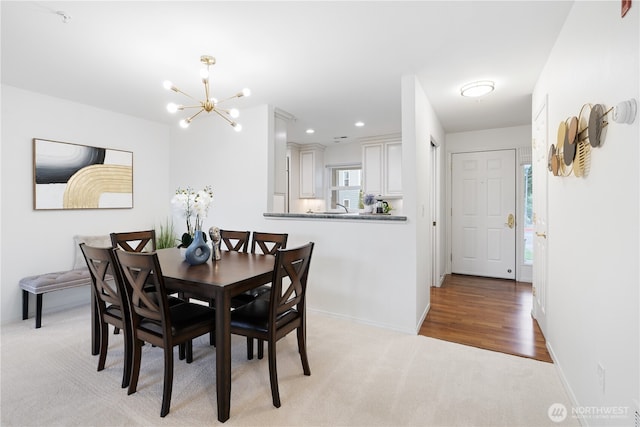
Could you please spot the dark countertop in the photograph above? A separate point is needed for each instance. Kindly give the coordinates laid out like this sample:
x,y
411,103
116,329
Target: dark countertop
x,y
345,216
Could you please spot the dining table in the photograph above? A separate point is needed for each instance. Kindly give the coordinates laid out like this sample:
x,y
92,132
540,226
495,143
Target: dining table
x,y
232,274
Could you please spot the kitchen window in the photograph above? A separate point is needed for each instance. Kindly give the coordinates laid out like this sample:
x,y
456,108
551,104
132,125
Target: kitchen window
x,y
344,186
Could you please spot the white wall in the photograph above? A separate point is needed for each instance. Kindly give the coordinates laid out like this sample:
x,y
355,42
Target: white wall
x,y
337,154
593,222
35,242
357,271
487,140
420,126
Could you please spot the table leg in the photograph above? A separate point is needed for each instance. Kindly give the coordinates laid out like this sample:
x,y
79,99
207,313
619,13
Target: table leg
x,y
223,356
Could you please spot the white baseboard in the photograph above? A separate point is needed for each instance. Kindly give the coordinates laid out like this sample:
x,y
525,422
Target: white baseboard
x,y
362,321
565,384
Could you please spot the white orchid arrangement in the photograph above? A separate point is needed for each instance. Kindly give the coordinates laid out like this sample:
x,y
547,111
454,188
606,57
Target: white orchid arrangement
x,y
191,204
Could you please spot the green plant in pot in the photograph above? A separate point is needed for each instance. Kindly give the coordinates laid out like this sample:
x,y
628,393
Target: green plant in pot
x,y
166,235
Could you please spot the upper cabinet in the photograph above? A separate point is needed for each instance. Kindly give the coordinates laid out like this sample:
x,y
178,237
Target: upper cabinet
x,y
382,168
311,171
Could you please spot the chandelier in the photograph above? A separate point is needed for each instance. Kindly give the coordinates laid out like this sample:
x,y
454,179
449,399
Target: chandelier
x,y
209,104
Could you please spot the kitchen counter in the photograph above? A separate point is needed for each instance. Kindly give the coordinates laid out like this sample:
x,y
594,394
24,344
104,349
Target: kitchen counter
x,y
338,215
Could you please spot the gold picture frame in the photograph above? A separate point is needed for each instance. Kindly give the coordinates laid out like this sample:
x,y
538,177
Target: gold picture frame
x,y
75,176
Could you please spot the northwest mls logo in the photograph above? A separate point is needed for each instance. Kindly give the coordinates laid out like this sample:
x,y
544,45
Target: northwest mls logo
x,y
557,412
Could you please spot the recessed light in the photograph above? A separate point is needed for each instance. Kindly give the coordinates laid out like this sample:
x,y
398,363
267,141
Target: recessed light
x,y
310,131
359,124
479,88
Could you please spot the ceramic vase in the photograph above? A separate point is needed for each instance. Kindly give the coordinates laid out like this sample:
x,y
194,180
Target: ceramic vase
x,y
198,251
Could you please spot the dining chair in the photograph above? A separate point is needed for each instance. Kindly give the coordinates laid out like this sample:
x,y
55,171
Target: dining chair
x,y
266,244
235,240
155,321
110,299
135,241
283,312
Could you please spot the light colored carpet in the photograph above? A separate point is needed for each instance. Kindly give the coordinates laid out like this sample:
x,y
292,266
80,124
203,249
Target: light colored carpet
x,y
360,376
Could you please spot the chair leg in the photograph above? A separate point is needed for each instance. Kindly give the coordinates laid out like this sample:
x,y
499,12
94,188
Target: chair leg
x,y
260,349
273,374
135,365
104,344
189,351
302,349
249,348
212,334
181,351
168,381
128,355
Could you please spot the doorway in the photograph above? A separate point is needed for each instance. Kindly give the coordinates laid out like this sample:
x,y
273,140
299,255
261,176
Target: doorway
x,y
436,278
540,177
483,212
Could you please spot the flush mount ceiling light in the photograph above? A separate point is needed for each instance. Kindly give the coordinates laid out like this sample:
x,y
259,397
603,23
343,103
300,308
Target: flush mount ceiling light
x,y
478,88
209,104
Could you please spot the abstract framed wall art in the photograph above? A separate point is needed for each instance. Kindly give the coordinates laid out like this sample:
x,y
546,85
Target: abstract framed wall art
x,y
74,176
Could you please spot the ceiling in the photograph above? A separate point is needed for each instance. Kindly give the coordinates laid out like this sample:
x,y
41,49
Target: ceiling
x,y
328,64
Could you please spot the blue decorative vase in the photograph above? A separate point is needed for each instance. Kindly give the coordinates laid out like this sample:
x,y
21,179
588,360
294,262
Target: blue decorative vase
x,y
198,251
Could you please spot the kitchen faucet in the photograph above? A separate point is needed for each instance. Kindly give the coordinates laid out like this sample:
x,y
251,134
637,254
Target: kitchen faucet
x,y
345,208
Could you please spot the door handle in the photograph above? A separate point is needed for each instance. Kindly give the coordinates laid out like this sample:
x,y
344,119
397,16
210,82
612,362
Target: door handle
x,y
541,235
511,221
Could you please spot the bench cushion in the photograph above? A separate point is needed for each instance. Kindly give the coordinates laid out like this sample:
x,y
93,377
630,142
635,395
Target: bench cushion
x,y
48,282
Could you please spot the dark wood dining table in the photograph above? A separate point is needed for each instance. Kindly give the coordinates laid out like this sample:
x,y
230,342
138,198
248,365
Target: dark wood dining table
x,y
233,274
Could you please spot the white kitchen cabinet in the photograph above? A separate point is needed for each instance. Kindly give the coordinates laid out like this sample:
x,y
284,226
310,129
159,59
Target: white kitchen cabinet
x,y
311,171
382,168
372,167
393,169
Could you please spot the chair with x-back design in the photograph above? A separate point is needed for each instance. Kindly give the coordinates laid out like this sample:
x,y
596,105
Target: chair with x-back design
x,y
283,312
135,241
267,244
235,240
110,301
155,321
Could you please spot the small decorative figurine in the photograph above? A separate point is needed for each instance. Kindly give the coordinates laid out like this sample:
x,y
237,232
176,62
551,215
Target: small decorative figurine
x,y
214,233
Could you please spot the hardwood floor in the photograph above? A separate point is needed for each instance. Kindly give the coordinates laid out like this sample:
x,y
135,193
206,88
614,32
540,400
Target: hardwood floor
x,y
493,314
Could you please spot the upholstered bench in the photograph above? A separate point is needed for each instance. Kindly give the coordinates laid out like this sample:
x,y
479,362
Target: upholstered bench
x,y
48,282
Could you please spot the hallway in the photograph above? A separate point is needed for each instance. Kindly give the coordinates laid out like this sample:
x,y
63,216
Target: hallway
x,y
493,314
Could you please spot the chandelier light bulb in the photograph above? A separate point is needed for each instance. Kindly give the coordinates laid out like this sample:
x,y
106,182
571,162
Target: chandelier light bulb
x,y
184,123
236,126
204,73
167,85
172,108
234,113
246,92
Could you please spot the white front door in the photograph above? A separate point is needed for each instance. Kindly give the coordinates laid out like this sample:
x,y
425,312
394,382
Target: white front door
x,y
540,176
483,211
